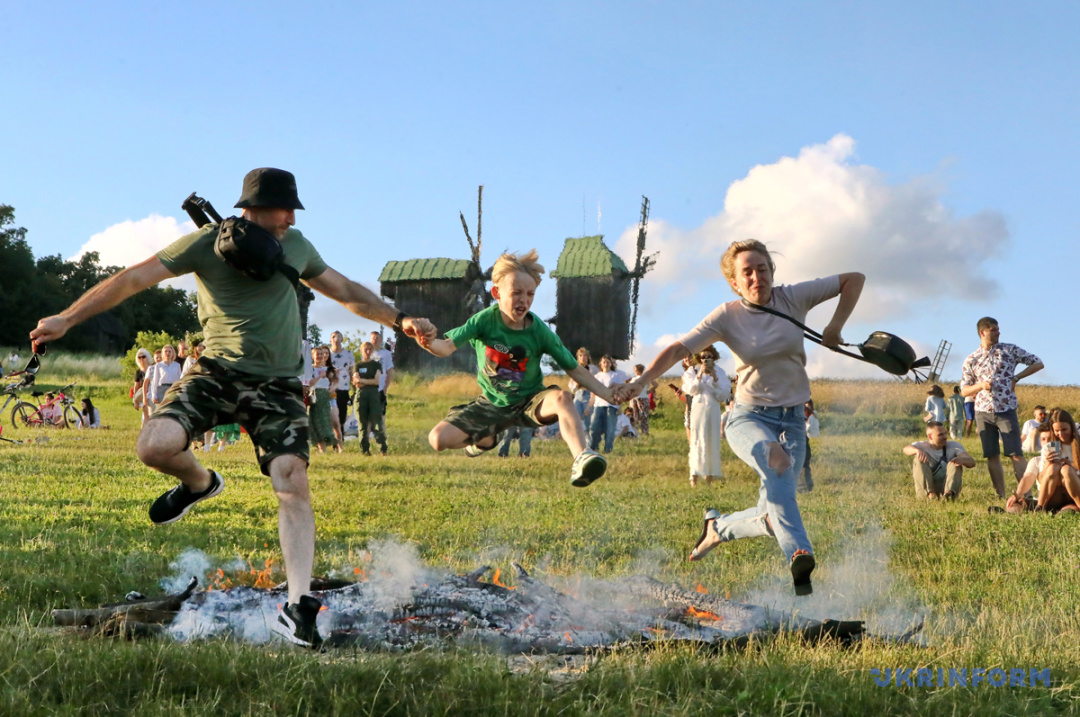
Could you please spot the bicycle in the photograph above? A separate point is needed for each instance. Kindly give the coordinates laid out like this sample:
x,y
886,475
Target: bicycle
x,y
28,415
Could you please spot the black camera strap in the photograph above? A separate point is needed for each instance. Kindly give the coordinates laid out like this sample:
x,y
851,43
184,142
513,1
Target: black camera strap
x,y
807,331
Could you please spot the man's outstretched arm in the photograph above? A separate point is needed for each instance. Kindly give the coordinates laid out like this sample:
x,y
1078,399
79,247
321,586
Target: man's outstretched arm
x,y
363,302
109,293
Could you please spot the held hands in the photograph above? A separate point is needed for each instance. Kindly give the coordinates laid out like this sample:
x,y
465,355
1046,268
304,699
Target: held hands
x,y
420,329
624,392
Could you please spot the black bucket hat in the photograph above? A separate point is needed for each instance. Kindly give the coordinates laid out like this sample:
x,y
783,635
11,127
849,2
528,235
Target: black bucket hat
x,y
269,187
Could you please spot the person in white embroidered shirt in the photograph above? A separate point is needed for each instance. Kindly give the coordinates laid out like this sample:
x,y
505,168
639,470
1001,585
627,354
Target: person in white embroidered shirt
x,y
938,465
989,374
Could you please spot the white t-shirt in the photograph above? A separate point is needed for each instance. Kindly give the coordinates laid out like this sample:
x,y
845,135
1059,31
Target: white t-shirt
x,y
952,450
770,358
813,427
165,375
935,406
385,358
1029,434
345,363
622,423
94,422
608,378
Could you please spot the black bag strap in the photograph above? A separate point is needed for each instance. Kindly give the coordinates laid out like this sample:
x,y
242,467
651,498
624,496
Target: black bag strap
x,y
807,331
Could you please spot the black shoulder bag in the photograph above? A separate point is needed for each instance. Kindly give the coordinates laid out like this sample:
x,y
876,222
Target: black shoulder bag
x,y
886,351
251,250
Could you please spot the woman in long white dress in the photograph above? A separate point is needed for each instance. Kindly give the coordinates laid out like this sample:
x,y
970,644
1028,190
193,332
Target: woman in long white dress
x,y
711,390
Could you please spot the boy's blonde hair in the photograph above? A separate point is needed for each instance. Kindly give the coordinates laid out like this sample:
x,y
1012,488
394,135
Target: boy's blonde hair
x,y
367,345
509,263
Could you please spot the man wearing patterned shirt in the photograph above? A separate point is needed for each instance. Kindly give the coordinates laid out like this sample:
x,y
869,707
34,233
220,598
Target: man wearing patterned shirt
x,y
990,375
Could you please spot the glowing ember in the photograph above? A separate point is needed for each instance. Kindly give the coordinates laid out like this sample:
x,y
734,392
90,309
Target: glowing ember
x,y
702,614
495,580
701,589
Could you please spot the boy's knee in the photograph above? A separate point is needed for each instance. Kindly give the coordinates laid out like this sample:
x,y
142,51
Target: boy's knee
x,y
435,439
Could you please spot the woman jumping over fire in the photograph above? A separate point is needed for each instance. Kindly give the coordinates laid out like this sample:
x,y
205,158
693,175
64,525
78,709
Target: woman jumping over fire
x,y
766,428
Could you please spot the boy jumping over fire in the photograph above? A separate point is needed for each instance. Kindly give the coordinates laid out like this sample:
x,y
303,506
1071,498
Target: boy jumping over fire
x,y
510,341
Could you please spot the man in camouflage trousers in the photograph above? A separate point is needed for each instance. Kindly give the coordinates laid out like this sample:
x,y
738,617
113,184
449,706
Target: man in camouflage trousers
x,y
248,373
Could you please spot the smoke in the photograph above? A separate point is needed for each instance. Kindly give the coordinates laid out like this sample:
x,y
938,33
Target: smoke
x,y
189,564
395,570
860,585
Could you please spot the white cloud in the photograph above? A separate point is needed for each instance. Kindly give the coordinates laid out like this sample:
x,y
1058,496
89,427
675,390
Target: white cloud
x,y
825,214
131,242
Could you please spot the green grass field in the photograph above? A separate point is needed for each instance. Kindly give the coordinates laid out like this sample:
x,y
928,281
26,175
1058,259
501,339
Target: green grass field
x,y
994,591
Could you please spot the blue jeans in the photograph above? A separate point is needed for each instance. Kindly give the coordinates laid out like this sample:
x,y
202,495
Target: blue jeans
x,y
750,430
524,436
604,419
580,406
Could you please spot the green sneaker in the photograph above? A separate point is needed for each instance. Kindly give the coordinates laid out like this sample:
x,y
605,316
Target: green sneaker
x,y
588,466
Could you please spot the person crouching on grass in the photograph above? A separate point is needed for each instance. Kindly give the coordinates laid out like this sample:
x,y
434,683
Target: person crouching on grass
x,y
510,341
1053,471
938,464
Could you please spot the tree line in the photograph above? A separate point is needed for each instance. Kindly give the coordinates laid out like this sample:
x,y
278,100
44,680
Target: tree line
x,y
33,288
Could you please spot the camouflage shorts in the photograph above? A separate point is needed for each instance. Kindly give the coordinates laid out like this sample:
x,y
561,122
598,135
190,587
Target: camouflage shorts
x,y
481,418
271,410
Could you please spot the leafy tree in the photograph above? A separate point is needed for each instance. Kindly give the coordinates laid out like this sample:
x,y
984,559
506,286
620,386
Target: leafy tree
x,y
19,295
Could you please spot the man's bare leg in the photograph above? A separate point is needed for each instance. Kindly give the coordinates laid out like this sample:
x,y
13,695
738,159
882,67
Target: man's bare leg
x,y
997,474
561,404
163,446
296,522
1019,464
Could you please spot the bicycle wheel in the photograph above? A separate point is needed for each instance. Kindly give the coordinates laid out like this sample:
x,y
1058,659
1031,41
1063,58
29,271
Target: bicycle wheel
x,y
25,415
71,417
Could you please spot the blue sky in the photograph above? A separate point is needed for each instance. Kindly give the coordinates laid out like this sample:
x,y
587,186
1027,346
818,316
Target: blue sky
x,y
931,145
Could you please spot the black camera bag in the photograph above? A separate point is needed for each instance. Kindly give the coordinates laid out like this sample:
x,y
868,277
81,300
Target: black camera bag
x,y
251,250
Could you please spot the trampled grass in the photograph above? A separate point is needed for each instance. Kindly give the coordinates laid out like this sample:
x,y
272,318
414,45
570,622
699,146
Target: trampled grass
x,y
994,591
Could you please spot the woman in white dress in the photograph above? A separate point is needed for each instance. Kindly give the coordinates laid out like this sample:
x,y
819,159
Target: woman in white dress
x,y
711,390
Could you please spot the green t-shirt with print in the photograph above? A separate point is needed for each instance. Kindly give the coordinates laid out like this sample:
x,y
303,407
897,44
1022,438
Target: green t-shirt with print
x,y
508,359
248,325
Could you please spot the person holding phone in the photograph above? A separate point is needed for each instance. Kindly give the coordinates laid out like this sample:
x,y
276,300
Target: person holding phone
x,y
1053,471
711,390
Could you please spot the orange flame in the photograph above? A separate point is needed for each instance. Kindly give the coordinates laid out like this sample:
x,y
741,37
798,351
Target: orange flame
x,y
702,614
262,577
568,636
701,589
495,580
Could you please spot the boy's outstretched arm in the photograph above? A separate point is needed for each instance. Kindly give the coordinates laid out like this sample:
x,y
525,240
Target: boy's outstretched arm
x,y
585,378
441,347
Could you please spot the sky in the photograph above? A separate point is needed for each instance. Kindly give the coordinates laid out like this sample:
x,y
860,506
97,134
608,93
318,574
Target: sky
x,y
931,146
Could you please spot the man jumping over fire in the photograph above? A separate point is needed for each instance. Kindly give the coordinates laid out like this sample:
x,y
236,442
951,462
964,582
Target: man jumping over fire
x,y
509,341
246,271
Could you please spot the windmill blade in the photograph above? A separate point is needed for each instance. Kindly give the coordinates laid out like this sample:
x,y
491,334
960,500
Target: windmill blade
x,y
639,268
479,224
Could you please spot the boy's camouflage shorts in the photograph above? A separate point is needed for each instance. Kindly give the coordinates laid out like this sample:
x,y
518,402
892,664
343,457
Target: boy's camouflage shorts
x,y
481,418
271,410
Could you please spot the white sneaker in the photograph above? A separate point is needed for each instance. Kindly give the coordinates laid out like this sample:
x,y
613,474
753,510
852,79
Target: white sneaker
x,y
588,466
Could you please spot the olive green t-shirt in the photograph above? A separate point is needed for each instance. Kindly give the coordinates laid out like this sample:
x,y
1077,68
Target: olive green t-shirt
x,y
249,325
509,359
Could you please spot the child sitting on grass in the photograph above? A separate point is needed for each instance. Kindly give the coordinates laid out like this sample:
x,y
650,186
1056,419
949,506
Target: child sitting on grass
x,y
510,341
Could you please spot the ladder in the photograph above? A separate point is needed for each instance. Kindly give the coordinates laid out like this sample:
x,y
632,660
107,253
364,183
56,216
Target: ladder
x,y
940,358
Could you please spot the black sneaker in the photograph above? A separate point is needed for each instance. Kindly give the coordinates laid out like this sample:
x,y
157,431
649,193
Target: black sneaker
x,y
296,622
801,566
172,506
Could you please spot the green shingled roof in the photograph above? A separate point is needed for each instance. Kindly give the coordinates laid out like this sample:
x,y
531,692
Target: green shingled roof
x,y
424,269
587,256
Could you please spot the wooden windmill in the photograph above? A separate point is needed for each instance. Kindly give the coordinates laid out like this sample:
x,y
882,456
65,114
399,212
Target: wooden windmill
x,y
597,295
447,291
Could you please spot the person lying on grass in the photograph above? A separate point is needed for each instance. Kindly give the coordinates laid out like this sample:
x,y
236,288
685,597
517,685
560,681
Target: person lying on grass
x,y
1053,471
510,341
938,465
